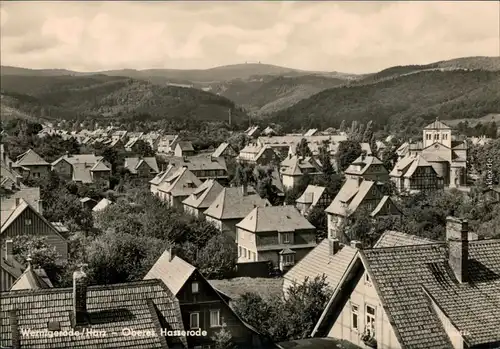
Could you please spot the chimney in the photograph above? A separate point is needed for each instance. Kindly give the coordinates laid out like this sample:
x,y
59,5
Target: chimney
x,y
18,201
171,254
457,236
245,189
14,328
40,206
80,296
9,255
363,156
356,244
10,166
334,245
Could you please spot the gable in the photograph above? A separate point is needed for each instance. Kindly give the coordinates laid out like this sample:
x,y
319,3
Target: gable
x,y
362,294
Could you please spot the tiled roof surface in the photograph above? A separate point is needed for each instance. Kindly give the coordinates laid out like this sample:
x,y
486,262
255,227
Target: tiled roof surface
x,y
232,204
30,158
204,195
81,173
391,238
132,164
30,194
311,195
79,159
275,218
365,162
220,150
320,262
29,280
181,183
437,125
100,166
236,287
295,165
184,145
350,196
160,177
111,308
199,162
404,276
174,273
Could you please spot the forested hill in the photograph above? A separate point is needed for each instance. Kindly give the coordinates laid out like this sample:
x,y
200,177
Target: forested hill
x,y
401,102
101,96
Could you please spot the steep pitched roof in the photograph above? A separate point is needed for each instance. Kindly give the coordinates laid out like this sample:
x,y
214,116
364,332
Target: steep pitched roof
x,y
185,146
232,204
30,280
275,218
140,305
101,205
8,217
296,165
220,149
362,164
31,158
181,183
350,197
311,195
173,272
319,261
100,166
160,177
391,238
30,194
236,287
133,164
437,125
204,195
421,272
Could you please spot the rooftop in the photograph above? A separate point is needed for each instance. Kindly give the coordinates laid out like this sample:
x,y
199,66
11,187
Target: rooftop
x,y
275,218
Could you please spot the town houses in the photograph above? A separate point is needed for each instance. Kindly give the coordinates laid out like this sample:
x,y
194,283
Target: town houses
x,y
287,223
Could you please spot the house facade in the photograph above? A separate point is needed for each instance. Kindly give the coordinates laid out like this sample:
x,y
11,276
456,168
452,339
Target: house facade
x,y
358,194
294,168
202,198
418,296
83,168
367,167
31,165
231,206
177,187
202,307
313,196
22,219
413,174
279,234
257,155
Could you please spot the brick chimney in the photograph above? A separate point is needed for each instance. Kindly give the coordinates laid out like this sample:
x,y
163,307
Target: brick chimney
x,y
171,254
80,296
334,246
244,188
457,236
9,255
14,328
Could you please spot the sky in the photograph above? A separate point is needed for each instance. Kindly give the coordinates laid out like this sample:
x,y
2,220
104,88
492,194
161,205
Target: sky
x,y
352,37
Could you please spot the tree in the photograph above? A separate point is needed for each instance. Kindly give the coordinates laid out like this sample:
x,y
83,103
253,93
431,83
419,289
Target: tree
x,y
265,187
317,217
303,148
143,149
223,339
42,255
293,317
116,257
348,151
217,260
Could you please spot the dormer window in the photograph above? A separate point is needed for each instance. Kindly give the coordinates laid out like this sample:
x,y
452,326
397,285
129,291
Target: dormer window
x,y
286,238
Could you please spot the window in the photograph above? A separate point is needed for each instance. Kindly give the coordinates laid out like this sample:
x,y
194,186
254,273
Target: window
x,y
288,259
27,221
370,319
195,287
194,320
354,317
215,318
286,238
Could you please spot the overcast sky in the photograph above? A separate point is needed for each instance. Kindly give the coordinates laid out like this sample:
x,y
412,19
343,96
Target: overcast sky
x,y
352,37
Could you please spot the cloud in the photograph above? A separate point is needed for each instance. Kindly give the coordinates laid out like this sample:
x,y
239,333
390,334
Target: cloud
x,y
341,36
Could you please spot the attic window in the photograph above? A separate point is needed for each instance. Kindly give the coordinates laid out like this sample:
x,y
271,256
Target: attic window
x,y
54,326
27,221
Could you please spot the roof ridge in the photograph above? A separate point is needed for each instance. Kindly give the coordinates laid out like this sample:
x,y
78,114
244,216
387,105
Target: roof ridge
x,y
130,284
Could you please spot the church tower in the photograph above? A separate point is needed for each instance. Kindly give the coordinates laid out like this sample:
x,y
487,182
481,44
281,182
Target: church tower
x,y
436,132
